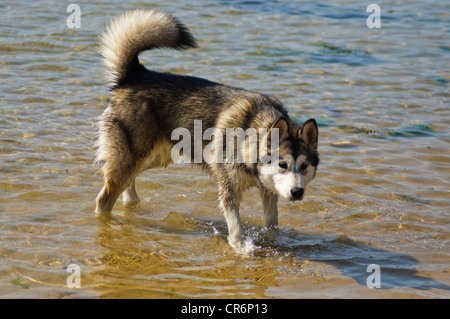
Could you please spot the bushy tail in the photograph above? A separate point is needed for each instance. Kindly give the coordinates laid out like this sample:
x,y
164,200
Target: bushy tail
x,y
136,31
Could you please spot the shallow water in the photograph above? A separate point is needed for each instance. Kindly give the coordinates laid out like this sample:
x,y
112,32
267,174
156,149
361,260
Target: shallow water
x,y
381,195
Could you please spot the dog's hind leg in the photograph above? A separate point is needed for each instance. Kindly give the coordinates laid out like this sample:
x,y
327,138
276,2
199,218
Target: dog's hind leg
x,y
270,202
108,196
119,178
129,196
115,148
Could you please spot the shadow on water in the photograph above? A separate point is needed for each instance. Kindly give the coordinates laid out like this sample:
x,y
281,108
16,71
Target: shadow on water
x,y
350,257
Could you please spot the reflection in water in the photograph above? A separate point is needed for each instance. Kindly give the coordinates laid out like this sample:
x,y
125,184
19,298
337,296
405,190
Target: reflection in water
x,y
139,263
140,260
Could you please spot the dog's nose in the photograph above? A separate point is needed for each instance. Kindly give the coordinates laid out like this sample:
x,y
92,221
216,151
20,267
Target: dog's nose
x,y
297,193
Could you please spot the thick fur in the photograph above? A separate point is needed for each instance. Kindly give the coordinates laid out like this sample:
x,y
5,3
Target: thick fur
x,y
147,106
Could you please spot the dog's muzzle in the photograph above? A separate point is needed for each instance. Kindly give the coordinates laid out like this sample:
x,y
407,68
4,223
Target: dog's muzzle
x,y
297,193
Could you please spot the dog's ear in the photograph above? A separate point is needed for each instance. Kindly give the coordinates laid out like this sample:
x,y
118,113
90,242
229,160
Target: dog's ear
x,y
309,133
282,126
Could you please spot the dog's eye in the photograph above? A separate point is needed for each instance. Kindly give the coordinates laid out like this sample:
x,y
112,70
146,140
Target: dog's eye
x,y
283,165
303,167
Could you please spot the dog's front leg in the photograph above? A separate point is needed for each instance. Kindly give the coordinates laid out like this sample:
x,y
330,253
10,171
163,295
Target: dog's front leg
x,y
235,232
230,207
270,204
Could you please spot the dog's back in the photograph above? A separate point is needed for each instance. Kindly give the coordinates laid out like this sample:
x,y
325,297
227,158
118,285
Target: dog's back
x,y
161,102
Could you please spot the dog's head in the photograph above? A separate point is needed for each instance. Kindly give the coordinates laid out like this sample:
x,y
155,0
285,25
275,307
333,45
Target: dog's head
x,y
288,174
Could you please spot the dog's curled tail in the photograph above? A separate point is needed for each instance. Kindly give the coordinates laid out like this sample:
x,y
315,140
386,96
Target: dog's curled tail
x,y
136,31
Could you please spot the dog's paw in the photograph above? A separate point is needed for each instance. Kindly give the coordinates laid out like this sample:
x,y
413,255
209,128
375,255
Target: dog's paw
x,y
243,246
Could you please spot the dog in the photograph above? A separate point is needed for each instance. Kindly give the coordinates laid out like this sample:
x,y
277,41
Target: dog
x,y
146,107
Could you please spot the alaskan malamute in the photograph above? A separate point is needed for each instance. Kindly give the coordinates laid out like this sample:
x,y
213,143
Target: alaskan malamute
x,y
146,108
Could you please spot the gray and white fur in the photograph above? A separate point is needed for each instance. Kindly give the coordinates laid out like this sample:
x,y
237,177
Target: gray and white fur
x,y
146,106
